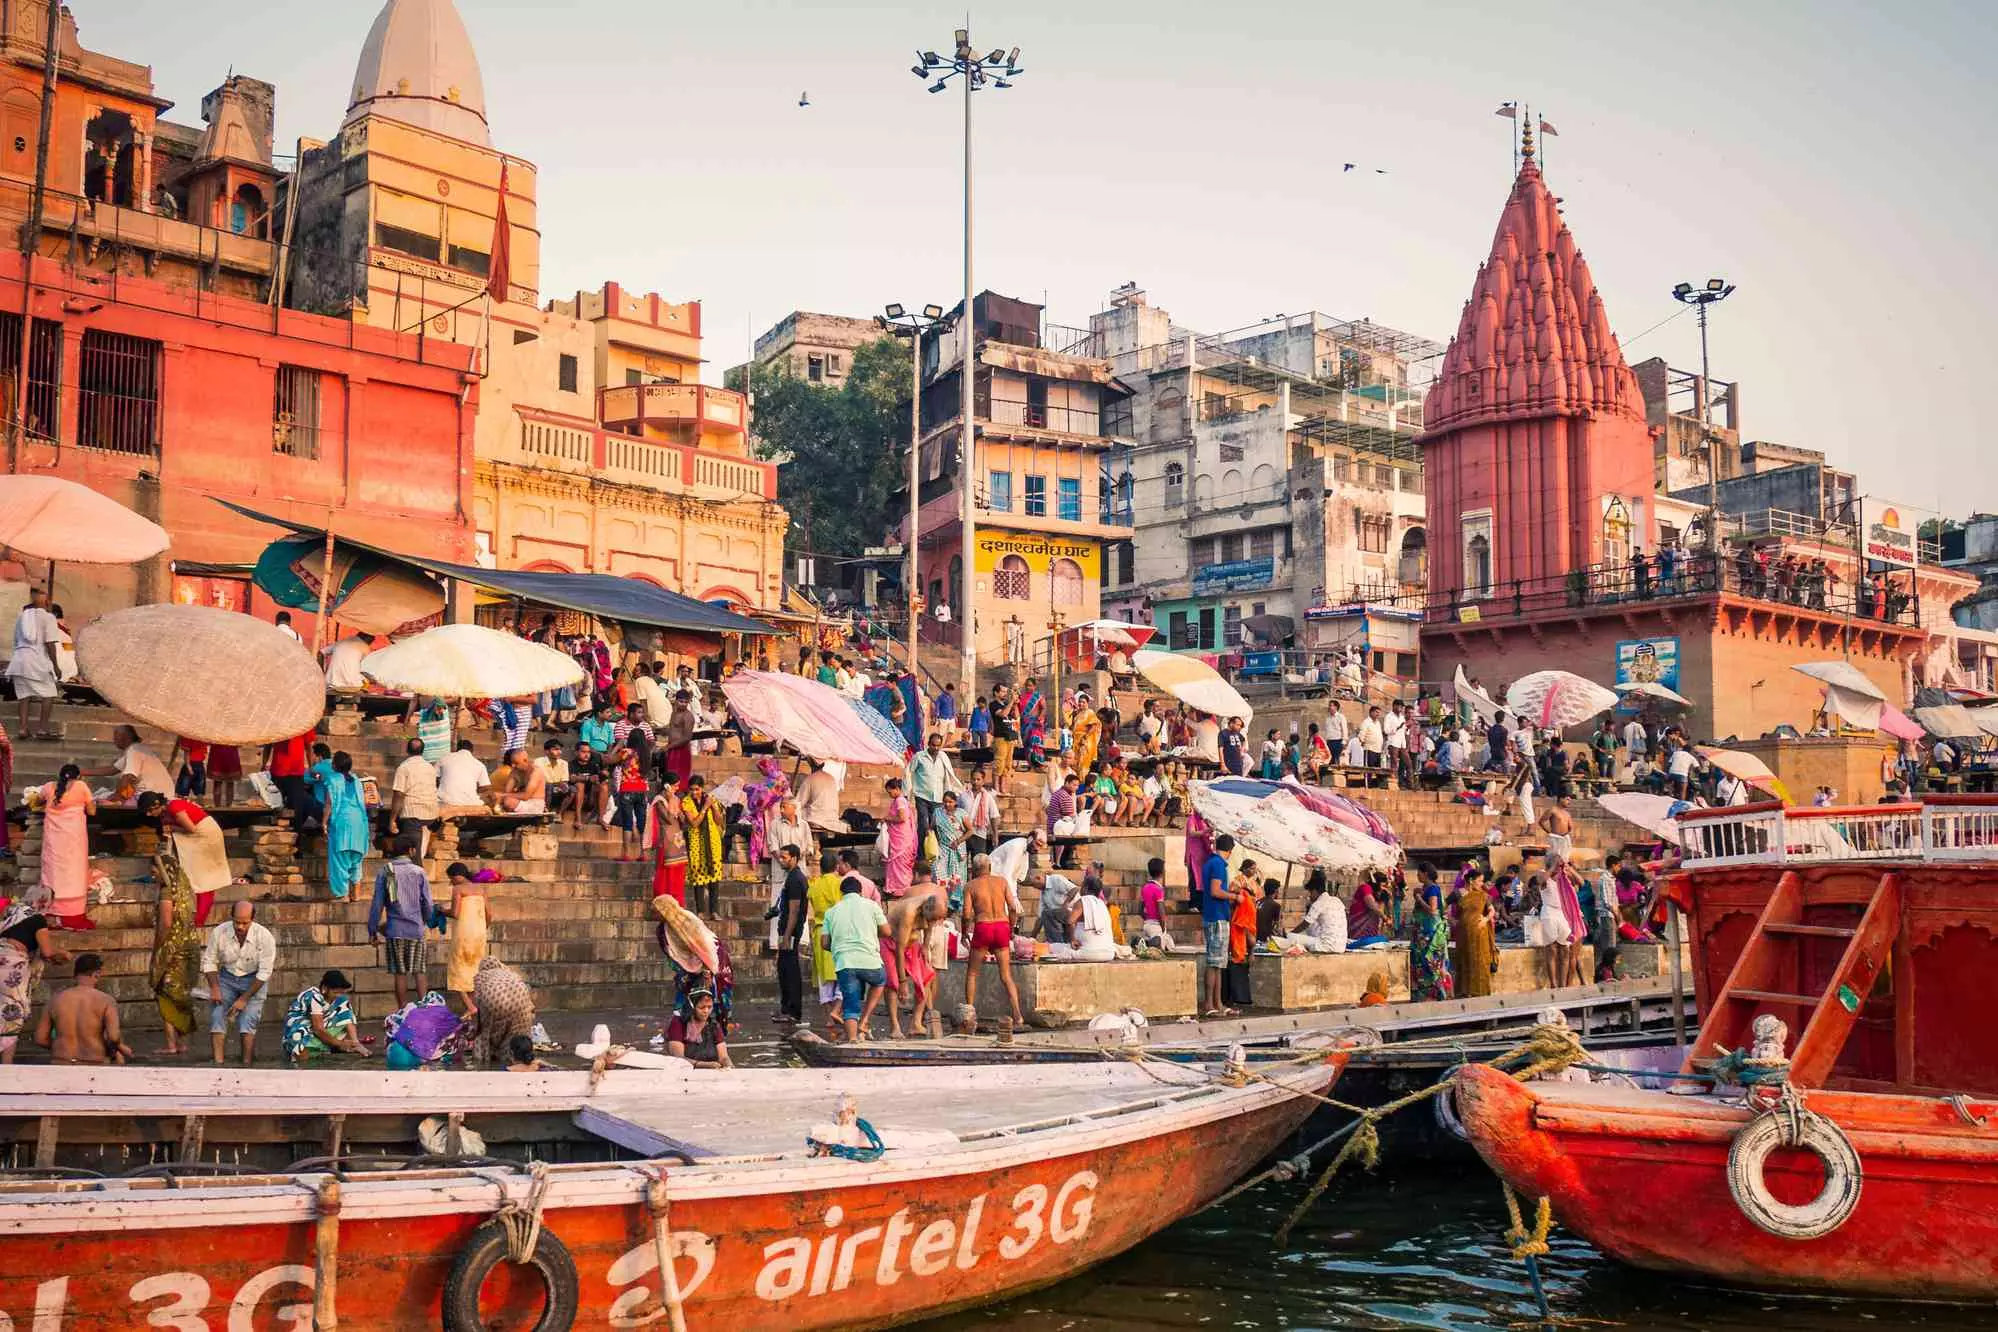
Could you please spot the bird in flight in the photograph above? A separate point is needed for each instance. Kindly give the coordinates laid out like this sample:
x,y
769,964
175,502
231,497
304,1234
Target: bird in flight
x,y
804,99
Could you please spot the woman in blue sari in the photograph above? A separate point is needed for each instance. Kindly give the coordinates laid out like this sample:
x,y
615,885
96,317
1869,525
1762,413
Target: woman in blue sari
x,y
346,825
1033,723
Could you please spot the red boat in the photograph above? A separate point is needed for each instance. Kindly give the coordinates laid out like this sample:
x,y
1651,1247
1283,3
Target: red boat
x,y
1866,1164
190,1199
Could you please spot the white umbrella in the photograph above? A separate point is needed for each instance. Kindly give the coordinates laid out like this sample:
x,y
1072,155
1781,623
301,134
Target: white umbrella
x,y
1654,813
1193,682
1652,689
55,519
1843,675
1481,702
1557,699
470,661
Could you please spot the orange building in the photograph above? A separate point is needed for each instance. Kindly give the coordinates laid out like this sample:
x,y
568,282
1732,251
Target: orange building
x,y
160,368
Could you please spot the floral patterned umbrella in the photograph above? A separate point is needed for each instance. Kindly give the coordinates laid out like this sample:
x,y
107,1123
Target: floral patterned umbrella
x,y
1556,700
1279,826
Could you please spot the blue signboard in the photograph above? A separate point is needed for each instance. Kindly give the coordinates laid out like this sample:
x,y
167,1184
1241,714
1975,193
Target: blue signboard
x,y
1656,660
1261,663
1234,574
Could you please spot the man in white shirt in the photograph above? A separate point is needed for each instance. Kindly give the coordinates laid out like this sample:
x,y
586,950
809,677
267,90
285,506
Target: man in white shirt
x,y
237,961
462,780
1373,738
658,708
1394,737
1680,769
1150,727
1011,860
1325,919
34,668
138,762
1635,740
283,623
818,799
343,665
414,806
930,775
1207,740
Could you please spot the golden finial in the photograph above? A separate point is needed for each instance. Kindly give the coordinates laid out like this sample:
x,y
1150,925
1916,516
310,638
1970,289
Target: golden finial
x,y
1526,136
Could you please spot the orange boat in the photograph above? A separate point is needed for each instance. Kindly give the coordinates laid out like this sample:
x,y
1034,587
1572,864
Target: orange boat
x,y
185,1198
1863,1157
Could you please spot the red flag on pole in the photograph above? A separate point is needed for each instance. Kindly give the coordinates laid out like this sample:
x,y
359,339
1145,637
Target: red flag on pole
x,y
498,279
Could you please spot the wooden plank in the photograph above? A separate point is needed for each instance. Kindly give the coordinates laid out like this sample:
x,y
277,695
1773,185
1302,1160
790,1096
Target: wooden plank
x,y
635,1137
45,1140
191,1134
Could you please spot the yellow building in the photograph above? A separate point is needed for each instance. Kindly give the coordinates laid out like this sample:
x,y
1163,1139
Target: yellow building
x,y
598,449
1052,429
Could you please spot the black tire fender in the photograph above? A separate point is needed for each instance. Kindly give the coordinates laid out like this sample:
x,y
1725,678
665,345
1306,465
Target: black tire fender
x,y
486,1248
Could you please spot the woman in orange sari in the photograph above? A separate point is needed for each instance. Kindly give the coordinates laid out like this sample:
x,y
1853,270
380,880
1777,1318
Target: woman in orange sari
x,y
1235,989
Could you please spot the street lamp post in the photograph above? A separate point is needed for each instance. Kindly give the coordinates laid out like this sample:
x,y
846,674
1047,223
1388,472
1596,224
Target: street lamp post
x,y
906,324
1715,290
991,69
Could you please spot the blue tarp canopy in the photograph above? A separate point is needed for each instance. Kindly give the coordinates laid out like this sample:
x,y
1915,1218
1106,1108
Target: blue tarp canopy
x,y
606,596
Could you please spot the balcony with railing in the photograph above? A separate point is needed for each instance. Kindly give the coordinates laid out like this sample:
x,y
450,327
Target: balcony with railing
x,y
568,444
1626,585
1936,828
633,407
1802,526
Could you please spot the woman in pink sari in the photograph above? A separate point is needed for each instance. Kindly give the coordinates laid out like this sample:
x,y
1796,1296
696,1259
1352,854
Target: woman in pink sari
x,y
66,809
899,863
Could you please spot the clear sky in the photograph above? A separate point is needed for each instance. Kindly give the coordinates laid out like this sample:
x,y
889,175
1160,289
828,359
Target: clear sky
x,y
1832,157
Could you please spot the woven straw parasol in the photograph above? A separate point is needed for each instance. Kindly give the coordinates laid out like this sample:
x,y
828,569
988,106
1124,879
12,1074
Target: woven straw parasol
x,y
203,673
471,661
54,519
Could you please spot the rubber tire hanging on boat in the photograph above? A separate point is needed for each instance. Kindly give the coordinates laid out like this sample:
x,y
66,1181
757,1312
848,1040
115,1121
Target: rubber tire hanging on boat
x,y
484,1250
1749,1154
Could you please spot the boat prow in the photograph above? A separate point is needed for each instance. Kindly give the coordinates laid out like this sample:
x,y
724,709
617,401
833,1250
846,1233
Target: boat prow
x,y
1644,1176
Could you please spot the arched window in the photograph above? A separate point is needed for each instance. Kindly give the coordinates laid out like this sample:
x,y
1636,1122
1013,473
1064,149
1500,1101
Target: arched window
x,y
1175,482
1414,563
1478,565
1067,579
1010,579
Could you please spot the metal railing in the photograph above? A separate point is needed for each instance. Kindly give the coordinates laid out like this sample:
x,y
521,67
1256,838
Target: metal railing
x,y
1944,828
1787,523
1688,576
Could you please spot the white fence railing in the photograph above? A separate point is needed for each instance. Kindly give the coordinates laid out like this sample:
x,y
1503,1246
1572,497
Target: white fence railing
x,y
1952,828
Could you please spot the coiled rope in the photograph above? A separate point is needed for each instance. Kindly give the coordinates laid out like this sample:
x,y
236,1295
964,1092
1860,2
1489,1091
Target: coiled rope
x,y
522,1222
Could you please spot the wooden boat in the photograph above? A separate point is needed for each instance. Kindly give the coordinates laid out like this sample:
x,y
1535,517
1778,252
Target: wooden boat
x,y
1866,1164
991,1182
1640,1005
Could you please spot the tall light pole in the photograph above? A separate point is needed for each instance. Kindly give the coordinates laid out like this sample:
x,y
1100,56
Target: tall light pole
x,y
978,71
912,326
1715,290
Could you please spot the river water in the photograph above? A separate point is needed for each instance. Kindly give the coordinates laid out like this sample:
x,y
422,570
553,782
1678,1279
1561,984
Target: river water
x,y
1409,1249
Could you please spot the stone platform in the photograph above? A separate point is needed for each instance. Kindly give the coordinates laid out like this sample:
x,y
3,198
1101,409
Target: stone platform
x,y
1162,988
1335,980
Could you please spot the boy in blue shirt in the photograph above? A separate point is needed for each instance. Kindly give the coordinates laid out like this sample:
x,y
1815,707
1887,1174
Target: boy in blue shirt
x,y
980,724
1217,906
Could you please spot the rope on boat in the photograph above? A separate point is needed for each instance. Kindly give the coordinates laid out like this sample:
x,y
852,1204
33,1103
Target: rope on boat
x,y
1528,1245
659,1203
1552,1048
522,1223
1787,1122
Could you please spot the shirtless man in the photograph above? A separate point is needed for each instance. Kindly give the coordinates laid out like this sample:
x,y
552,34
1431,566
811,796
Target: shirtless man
x,y
1559,825
989,932
529,791
909,919
80,1025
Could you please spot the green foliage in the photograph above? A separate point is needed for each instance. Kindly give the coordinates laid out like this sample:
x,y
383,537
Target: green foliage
x,y
842,452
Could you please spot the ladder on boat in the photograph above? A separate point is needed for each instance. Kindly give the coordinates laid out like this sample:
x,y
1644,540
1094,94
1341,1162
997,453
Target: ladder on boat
x,y
1774,955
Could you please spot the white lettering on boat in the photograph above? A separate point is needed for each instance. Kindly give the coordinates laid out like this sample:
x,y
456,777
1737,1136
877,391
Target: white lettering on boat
x,y
828,1262
640,1262
51,1299
187,1296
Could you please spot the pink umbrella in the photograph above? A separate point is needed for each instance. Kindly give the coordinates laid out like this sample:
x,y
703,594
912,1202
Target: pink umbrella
x,y
1898,724
1557,699
812,718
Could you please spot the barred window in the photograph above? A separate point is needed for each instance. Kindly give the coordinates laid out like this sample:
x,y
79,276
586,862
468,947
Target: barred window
x,y
1010,579
295,413
118,393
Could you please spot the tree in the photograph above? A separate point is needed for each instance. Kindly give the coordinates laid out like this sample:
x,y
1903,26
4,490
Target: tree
x,y
841,453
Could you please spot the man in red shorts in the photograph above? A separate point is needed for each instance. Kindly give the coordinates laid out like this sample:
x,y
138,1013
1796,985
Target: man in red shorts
x,y
990,932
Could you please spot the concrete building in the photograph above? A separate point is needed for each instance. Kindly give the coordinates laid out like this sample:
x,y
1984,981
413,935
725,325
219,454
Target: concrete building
x,y
598,448
1541,471
817,348
1052,430
159,370
1275,472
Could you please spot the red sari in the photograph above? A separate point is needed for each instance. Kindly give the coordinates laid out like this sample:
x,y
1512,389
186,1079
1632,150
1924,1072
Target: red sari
x,y
668,844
